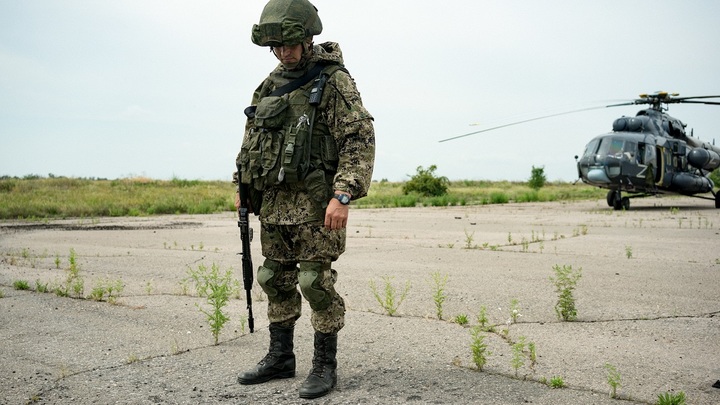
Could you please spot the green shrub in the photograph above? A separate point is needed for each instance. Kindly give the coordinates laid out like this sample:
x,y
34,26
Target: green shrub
x,y
715,177
537,178
426,183
499,198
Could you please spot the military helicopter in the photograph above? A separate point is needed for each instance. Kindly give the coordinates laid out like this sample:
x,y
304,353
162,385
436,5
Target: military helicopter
x,y
648,154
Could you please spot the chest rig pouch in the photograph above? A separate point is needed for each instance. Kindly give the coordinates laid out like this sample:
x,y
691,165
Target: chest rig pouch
x,y
278,150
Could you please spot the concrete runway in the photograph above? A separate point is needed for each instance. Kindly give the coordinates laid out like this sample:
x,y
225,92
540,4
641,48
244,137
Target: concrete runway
x,y
648,304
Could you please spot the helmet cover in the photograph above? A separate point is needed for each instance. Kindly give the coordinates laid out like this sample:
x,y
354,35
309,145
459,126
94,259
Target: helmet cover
x,y
286,22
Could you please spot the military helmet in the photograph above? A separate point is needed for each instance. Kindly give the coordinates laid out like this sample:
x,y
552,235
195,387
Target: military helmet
x,y
286,22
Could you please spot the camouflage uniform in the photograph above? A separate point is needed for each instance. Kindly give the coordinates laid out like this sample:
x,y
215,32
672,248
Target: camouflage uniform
x,y
303,142
292,230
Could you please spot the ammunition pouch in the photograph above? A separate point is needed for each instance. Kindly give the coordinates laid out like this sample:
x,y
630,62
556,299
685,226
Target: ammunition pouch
x,y
274,153
318,187
285,146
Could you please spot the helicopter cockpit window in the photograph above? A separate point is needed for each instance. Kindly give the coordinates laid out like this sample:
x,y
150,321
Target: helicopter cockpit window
x,y
630,151
611,147
591,148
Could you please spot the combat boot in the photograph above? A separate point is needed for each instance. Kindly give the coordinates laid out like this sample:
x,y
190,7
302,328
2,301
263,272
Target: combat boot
x,y
323,376
278,363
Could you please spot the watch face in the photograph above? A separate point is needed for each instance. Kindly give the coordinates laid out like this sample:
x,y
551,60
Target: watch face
x,y
343,198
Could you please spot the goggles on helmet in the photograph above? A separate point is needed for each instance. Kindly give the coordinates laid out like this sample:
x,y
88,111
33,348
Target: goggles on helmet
x,y
278,34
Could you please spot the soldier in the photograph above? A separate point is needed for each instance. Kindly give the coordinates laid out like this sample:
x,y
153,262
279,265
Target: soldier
x,y
308,150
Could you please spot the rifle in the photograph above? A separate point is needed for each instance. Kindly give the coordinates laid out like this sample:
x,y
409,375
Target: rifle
x,y
246,235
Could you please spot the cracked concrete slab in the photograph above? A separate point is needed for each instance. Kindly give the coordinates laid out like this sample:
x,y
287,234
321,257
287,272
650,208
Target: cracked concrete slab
x,y
647,304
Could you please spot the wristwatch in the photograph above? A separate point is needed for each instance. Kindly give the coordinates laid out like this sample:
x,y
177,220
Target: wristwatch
x,y
343,198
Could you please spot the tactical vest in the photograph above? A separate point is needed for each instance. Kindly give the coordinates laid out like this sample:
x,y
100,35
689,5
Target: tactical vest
x,y
287,146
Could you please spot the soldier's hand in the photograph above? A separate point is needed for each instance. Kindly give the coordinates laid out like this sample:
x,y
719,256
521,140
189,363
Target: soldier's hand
x,y
336,215
237,201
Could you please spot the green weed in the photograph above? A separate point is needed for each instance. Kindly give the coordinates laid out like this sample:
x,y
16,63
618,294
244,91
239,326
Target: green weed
x,y
533,354
41,287
671,399
469,240
479,348
565,281
613,379
557,382
438,284
518,356
74,282
389,301
21,285
514,310
61,290
243,323
482,318
107,290
461,319
216,289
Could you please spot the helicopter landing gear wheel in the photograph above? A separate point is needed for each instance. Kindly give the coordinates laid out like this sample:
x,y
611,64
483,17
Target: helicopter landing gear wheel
x,y
611,198
621,203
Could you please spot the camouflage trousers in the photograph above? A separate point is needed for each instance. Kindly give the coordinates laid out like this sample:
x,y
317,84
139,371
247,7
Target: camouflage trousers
x,y
302,254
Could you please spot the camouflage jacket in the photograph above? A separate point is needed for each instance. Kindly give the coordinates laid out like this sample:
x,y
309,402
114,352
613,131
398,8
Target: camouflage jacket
x,y
343,116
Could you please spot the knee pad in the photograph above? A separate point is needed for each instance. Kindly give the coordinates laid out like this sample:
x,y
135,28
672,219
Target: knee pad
x,y
310,277
267,276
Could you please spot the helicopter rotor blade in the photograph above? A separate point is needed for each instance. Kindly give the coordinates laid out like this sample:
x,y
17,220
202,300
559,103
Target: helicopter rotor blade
x,y
701,102
682,99
655,100
622,104
533,119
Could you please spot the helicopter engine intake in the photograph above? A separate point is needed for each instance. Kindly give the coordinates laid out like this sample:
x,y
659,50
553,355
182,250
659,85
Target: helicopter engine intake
x,y
704,159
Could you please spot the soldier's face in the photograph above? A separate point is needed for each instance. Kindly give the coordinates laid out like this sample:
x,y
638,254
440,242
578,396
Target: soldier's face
x,y
289,55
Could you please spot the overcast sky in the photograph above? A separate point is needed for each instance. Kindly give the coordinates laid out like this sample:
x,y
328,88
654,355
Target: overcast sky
x,y
114,89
